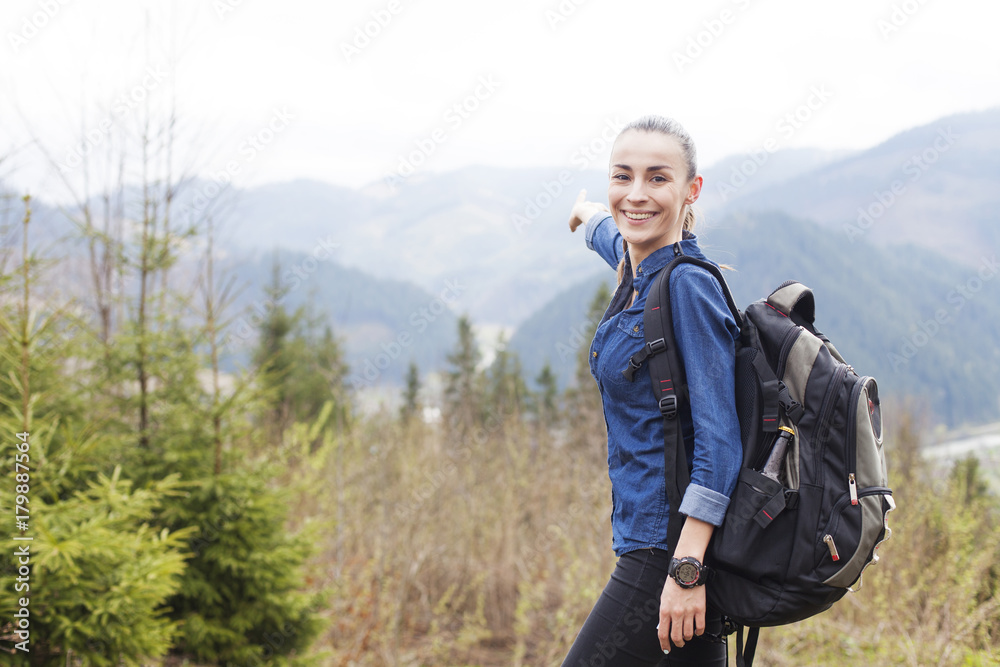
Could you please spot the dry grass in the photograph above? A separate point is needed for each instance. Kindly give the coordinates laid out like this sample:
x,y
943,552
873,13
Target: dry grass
x,y
491,551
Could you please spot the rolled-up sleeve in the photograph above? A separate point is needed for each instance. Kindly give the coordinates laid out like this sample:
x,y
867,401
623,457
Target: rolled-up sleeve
x,y
706,334
603,238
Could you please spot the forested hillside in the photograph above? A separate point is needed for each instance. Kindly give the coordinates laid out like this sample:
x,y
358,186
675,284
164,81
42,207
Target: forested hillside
x,y
923,325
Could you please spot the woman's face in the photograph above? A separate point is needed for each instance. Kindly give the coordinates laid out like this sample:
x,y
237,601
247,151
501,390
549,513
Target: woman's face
x,y
649,188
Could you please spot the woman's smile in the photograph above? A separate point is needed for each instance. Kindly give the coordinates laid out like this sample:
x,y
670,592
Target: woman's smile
x,y
639,216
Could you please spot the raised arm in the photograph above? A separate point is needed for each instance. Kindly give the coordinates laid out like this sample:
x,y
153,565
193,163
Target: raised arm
x,y
601,234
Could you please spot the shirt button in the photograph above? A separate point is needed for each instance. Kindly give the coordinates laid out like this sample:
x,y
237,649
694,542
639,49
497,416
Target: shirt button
x,y
636,328
594,354
639,270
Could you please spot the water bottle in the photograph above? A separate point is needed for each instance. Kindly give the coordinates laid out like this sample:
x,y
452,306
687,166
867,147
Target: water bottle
x,y
772,468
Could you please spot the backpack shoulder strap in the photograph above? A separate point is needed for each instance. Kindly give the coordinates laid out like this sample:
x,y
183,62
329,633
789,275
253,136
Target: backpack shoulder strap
x,y
666,370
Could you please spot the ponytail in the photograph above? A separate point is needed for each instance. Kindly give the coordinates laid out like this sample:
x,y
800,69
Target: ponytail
x,y
690,219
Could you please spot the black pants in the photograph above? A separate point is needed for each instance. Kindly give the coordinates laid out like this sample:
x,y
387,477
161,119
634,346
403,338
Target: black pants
x,y
621,629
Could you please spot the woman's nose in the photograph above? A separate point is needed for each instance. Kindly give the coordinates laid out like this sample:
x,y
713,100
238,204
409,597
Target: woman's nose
x,y
637,192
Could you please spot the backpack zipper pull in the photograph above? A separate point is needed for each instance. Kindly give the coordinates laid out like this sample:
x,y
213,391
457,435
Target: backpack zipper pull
x,y
832,547
852,485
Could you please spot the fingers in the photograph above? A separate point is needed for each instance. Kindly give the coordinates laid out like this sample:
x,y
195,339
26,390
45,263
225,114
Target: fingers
x,y
682,615
663,634
677,631
680,631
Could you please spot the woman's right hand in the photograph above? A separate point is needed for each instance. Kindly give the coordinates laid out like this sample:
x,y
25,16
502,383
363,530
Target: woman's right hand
x,y
583,211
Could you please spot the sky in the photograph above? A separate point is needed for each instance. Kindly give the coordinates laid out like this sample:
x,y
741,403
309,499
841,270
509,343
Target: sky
x,y
354,93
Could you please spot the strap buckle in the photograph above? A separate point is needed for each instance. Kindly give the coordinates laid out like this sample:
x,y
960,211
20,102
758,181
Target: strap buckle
x,y
656,346
635,361
631,369
668,406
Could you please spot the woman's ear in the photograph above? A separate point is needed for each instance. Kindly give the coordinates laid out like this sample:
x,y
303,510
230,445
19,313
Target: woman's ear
x,y
694,190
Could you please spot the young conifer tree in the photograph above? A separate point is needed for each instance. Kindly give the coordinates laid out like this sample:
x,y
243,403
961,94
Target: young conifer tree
x,y
99,567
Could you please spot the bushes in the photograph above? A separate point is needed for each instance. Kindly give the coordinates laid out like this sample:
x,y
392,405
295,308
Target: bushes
x,y
492,551
100,575
240,600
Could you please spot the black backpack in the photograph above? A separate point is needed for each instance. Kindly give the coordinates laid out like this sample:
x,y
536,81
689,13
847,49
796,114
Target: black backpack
x,y
789,547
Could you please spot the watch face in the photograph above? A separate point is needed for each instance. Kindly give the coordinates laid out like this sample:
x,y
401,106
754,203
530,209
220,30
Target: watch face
x,y
687,572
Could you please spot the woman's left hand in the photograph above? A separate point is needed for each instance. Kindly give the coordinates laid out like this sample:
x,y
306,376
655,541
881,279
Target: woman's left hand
x,y
682,614
583,210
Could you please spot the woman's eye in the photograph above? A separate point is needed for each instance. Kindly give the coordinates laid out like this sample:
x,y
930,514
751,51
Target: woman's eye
x,y
620,177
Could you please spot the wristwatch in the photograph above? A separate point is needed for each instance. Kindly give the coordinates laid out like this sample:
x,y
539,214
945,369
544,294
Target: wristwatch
x,y
688,572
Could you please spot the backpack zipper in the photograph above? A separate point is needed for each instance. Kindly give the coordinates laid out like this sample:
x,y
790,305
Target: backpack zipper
x,y
787,341
838,508
852,440
822,424
832,547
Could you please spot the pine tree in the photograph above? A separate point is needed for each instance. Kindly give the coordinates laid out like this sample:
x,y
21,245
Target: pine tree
x,y
101,568
299,369
546,400
411,395
463,388
595,310
508,392
129,535
241,599
274,355
317,372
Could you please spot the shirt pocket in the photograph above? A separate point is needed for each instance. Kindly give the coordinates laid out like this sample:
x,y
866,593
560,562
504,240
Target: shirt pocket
x,y
627,339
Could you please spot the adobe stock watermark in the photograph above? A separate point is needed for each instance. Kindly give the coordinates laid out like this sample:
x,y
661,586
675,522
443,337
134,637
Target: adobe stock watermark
x,y
958,297
33,24
579,335
252,146
550,190
786,127
899,16
120,108
914,167
712,30
365,34
224,7
562,12
453,118
419,320
292,278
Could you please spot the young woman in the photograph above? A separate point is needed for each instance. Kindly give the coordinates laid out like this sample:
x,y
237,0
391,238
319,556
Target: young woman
x,y
651,613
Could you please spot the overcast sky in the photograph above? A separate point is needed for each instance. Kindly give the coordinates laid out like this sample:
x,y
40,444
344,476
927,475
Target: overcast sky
x,y
352,92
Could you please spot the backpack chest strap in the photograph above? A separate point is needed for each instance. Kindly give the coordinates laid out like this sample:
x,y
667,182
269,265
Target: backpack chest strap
x,y
635,361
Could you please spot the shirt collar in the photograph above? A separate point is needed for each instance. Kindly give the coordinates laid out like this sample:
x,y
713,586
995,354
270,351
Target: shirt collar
x,y
660,257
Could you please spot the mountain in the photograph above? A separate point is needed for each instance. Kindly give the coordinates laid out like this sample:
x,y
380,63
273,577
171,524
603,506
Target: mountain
x,y
932,186
555,332
739,175
384,323
501,232
905,223
923,325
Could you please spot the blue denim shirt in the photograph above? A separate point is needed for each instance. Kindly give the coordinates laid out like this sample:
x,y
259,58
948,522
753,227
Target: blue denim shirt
x,y
706,334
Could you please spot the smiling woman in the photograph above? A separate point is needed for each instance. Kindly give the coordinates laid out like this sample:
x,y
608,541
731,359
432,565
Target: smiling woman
x,y
653,183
